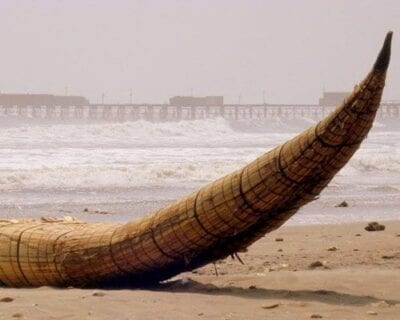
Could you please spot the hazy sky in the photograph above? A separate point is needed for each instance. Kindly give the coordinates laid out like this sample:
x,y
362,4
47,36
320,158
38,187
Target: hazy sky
x,y
289,49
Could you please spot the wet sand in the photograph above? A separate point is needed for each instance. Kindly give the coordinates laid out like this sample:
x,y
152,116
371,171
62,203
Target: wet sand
x,y
358,278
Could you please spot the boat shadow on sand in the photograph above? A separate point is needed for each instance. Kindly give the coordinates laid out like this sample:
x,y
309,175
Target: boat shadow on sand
x,y
323,296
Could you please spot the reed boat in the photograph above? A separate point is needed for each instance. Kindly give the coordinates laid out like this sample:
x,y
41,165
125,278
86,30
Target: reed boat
x,y
219,220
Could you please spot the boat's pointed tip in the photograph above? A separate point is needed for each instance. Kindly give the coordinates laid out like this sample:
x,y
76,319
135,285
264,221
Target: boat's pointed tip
x,y
382,62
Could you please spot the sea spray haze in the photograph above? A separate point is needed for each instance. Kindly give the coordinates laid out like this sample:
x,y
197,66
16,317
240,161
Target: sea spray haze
x,y
220,219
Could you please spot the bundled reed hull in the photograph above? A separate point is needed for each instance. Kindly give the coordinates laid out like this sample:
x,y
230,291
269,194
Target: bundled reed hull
x,y
220,219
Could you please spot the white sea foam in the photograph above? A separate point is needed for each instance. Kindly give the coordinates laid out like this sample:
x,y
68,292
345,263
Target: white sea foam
x,y
188,173
110,177
200,133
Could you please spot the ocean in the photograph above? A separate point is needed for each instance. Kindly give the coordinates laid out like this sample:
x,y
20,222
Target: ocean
x,y
101,171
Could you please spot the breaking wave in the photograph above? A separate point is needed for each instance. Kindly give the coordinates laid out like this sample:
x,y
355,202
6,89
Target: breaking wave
x,y
114,177
214,132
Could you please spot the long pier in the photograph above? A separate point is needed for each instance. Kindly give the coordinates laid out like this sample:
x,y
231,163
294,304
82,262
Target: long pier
x,y
164,112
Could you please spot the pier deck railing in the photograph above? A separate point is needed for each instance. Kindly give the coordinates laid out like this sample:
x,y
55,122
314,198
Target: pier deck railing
x,y
156,112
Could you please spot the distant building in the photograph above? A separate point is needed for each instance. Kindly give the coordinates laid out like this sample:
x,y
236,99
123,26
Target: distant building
x,y
332,98
41,100
196,101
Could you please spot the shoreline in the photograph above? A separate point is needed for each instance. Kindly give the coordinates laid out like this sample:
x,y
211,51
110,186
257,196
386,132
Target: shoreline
x,y
324,211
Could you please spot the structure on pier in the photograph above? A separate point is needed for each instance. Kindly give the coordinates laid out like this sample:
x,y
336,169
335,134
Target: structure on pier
x,y
48,100
208,101
330,98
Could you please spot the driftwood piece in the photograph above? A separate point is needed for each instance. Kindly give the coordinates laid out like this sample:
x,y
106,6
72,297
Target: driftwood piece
x,y
218,220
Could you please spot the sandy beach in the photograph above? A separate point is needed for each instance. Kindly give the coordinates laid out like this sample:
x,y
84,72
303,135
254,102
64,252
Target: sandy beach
x,y
358,278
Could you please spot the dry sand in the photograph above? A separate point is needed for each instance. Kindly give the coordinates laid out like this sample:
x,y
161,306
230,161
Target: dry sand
x,y
359,279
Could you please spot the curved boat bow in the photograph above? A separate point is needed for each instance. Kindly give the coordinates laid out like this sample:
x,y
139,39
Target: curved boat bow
x,y
218,220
